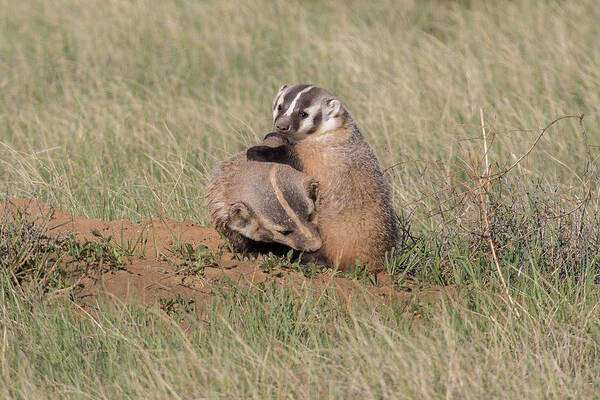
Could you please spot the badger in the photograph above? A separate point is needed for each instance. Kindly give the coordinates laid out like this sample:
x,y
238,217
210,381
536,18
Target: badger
x,y
255,203
356,218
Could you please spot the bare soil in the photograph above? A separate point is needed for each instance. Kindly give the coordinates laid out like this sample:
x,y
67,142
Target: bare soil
x,y
155,272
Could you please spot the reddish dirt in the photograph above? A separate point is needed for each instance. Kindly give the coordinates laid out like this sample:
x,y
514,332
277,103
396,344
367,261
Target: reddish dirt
x,y
156,275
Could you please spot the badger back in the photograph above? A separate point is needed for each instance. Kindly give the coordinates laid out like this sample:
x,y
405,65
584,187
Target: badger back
x,y
279,199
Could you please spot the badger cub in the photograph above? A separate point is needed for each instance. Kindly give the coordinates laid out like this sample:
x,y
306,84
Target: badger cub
x,y
356,218
254,202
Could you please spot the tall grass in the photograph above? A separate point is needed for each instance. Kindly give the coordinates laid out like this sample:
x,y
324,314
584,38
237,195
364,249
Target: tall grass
x,y
118,109
115,109
272,343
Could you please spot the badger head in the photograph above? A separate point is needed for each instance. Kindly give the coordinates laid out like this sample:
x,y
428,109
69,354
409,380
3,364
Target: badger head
x,y
288,217
304,111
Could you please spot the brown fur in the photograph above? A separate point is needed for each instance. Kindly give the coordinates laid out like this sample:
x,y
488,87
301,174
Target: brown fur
x,y
252,203
356,219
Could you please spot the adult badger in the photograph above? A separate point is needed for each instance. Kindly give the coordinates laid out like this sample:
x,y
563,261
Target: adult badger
x,y
356,218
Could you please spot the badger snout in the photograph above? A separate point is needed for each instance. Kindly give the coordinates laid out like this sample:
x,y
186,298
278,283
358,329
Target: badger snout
x,y
308,244
283,125
314,245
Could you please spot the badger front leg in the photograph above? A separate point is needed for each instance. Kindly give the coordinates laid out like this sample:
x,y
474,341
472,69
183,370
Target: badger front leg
x,y
283,154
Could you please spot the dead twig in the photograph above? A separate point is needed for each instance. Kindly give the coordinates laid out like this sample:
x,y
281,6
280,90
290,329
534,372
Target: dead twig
x,y
535,142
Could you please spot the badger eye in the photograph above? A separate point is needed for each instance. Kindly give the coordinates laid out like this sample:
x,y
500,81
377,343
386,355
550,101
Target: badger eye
x,y
279,107
302,114
286,233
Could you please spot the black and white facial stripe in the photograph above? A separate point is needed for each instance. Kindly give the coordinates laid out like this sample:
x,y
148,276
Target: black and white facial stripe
x,y
303,110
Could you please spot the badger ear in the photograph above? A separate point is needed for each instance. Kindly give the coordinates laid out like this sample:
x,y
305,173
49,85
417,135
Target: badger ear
x,y
239,215
282,88
331,108
312,189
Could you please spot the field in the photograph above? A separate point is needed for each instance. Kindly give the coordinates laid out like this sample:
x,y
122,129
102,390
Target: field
x,y
484,115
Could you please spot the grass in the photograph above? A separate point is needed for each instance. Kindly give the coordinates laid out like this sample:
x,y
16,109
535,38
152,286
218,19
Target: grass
x,y
121,110
196,259
27,255
274,343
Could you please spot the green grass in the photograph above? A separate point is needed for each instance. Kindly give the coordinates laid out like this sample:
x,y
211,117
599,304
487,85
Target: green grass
x,y
114,109
275,343
118,109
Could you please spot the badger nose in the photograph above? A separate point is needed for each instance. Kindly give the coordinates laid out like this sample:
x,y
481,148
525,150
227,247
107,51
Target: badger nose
x,y
282,126
314,244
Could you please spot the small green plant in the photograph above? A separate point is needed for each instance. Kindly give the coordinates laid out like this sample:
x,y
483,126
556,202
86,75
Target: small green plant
x,y
357,271
176,306
274,262
137,248
234,254
103,252
361,272
196,259
403,263
311,270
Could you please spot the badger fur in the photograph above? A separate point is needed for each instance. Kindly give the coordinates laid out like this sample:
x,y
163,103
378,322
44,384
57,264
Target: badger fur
x,y
253,203
356,217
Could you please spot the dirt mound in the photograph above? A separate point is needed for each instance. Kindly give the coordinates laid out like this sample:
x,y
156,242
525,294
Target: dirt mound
x,y
160,263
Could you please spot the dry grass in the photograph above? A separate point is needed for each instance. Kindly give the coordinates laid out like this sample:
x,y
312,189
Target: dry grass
x,y
119,109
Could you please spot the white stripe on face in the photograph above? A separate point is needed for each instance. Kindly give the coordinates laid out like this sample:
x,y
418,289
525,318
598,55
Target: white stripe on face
x,y
284,204
308,123
278,101
290,110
